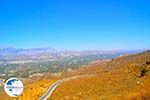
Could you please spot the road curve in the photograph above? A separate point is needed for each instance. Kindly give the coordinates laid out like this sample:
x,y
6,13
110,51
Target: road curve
x,y
50,90
47,94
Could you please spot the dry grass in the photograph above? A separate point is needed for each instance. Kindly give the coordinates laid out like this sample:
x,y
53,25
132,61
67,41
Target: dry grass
x,y
32,90
121,79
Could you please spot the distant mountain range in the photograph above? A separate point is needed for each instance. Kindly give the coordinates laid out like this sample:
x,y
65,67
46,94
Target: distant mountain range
x,y
13,54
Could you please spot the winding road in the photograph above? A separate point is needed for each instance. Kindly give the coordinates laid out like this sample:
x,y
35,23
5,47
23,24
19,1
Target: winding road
x,y
50,90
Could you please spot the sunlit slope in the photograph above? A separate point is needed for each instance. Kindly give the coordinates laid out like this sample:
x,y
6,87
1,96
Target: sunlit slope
x,y
124,78
32,90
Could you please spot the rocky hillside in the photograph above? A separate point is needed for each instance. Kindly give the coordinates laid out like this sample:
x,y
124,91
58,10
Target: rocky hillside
x,y
123,78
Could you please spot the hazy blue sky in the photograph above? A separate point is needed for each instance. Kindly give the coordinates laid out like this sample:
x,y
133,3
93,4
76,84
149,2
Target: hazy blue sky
x,y
75,24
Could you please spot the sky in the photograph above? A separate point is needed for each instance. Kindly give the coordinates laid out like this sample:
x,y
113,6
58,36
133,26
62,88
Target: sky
x,y
75,24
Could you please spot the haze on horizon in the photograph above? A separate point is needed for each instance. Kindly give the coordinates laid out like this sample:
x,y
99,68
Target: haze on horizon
x,y
75,24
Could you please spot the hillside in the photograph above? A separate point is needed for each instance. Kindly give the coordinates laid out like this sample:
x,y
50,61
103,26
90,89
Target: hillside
x,y
123,78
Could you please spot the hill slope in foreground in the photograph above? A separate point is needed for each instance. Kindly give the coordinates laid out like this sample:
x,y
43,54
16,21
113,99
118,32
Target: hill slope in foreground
x,y
123,78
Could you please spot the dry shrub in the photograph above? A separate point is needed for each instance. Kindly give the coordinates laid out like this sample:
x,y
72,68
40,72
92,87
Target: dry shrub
x,y
143,94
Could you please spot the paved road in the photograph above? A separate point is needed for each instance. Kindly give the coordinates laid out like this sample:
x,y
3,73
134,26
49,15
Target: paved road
x,y
50,90
47,94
